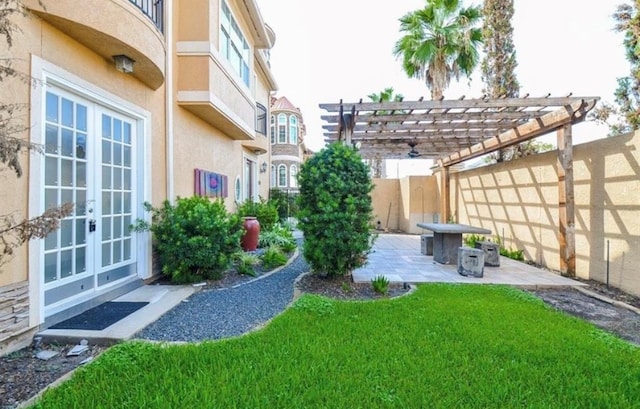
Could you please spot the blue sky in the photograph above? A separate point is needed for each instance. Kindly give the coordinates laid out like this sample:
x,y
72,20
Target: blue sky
x,y
331,50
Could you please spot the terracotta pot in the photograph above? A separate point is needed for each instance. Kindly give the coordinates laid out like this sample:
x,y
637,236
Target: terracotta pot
x,y
249,241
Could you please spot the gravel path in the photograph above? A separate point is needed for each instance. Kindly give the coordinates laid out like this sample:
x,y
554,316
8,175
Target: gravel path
x,y
229,312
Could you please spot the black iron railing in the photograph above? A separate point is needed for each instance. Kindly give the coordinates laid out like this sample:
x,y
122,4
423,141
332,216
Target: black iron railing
x,y
154,9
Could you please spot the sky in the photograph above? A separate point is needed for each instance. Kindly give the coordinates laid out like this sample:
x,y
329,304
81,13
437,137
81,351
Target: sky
x,y
342,49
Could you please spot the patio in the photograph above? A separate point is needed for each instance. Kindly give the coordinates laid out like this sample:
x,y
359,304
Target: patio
x,y
398,257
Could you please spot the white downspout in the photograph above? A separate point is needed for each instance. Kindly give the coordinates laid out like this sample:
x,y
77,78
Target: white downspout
x,y
169,100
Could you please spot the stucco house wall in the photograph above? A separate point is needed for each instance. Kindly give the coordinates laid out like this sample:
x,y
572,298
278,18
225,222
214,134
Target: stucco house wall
x,y
174,118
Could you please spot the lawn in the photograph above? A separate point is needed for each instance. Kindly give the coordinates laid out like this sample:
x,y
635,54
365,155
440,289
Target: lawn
x,y
444,346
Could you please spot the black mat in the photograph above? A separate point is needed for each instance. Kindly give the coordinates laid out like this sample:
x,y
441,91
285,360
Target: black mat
x,y
100,317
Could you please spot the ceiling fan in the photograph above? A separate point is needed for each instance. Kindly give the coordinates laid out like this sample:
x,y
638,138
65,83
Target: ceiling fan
x,y
413,153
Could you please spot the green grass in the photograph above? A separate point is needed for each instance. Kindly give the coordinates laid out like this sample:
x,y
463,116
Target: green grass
x,y
445,346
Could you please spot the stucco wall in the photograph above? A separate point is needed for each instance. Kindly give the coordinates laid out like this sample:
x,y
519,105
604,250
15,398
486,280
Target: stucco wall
x,y
519,201
400,204
385,199
40,39
419,202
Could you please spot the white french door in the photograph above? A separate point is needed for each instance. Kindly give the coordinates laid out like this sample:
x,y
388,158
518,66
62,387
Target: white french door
x,y
89,160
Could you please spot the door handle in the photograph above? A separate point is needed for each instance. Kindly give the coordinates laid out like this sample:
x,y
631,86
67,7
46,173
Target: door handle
x,y
92,225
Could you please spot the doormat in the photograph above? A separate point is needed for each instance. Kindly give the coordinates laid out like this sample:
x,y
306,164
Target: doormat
x,y
100,317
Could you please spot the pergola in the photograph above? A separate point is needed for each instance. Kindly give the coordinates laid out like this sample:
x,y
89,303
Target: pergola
x,y
453,131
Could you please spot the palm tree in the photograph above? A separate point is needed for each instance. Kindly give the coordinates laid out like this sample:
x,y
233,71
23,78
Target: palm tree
x,y
440,42
386,95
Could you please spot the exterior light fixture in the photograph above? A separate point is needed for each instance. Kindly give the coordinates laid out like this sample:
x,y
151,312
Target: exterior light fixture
x,y
123,63
263,167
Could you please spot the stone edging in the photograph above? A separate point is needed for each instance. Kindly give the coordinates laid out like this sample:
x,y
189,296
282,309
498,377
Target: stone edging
x,y
608,300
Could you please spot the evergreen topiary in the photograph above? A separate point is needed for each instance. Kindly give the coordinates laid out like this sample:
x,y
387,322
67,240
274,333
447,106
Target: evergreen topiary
x,y
335,210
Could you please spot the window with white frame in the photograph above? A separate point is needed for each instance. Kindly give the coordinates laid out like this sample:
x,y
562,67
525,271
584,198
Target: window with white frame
x,y
272,131
273,175
293,176
233,45
282,128
293,130
282,175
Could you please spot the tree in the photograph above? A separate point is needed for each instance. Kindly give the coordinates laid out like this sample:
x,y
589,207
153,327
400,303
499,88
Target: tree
x,y
499,64
520,150
439,42
335,210
624,116
15,230
386,95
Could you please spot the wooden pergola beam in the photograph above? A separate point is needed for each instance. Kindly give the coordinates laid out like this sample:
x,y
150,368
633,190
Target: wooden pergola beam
x,y
496,103
573,113
495,126
449,116
442,134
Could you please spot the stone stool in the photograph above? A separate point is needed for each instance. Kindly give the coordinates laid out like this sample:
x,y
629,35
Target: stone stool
x,y
491,253
470,262
426,244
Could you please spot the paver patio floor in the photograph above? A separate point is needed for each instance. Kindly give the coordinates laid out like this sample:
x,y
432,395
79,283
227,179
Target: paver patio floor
x,y
398,257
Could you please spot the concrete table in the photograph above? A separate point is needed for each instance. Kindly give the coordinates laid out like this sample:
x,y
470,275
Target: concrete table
x,y
447,238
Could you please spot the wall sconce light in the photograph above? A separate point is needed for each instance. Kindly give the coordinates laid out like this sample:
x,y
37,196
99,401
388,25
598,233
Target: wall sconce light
x,y
263,167
123,63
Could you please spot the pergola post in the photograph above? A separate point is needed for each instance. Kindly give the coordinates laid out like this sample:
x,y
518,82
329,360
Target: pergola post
x,y
445,193
566,202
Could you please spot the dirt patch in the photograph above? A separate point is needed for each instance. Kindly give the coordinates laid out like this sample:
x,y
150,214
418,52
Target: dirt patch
x,y
616,319
23,375
343,288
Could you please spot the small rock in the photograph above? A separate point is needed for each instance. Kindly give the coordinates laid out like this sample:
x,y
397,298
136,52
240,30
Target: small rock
x,y
46,355
199,284
77,350
86,360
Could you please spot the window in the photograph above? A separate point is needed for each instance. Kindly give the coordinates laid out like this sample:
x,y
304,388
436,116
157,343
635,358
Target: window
x,y
282,175
261,119
250,178
238,190
233,45
293,130
282,128
273,175
293,176
273,129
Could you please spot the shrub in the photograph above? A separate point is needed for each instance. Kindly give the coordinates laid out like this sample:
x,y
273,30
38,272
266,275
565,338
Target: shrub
x,y
273,257
245,263
335,210
285,203
380,284
471,239
280,236
193,238
512,253
264,211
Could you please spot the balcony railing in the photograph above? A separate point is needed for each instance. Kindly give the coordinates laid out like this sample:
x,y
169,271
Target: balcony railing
x,y
154,9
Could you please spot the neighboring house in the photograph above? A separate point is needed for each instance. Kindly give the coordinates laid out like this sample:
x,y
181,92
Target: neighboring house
x,y
288,152
185,113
